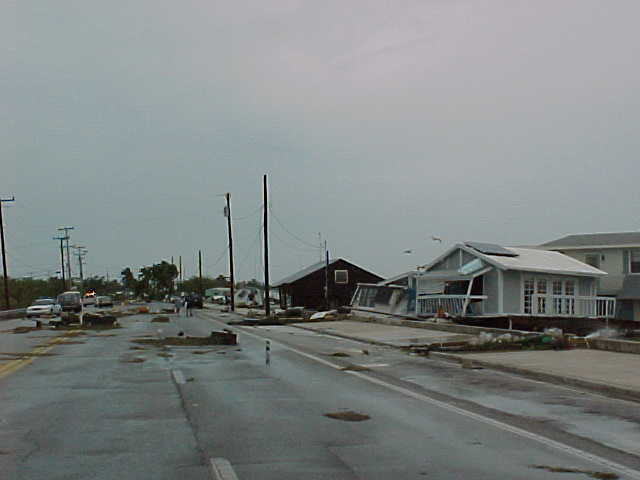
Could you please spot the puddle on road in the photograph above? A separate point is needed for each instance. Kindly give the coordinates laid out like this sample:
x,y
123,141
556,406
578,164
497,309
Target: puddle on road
x,y
590,473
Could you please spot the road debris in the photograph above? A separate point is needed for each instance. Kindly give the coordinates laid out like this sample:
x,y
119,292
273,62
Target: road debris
x,y
338,354
348,416
134,360
591,473
352,367
216,338
160,319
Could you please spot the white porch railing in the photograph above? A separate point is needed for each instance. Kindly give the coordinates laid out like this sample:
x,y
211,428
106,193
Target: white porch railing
x,y
570,306
451,304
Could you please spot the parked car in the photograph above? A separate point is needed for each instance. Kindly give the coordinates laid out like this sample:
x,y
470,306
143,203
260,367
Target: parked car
x,y
219,299
104,301
70,301
43,306
89,298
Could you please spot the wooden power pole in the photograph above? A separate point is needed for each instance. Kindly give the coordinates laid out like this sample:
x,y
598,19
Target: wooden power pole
x,y
267,305
200,271
227,213
4,254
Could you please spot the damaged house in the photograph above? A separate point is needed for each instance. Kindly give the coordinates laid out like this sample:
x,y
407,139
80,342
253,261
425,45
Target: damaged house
x,y
306,288
475,279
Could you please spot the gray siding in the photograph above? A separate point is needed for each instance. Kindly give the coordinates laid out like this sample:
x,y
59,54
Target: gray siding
x,y
512,292
614,261
490,288
452,261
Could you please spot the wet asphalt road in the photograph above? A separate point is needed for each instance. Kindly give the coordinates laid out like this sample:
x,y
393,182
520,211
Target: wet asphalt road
x,y
89,412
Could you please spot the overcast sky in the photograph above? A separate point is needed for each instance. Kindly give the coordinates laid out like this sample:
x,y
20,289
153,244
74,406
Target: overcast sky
x,y
379,123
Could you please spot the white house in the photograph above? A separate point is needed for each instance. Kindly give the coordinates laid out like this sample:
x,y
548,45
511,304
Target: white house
x,y
487,280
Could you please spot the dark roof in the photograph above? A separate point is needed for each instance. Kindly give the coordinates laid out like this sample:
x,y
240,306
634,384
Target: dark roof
x,y
595,239
630,288
491,249
312,269
303,273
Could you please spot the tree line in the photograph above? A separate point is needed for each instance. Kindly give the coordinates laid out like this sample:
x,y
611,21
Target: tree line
x,y
155,282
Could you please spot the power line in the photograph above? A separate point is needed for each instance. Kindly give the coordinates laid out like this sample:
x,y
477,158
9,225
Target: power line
x,y
315,247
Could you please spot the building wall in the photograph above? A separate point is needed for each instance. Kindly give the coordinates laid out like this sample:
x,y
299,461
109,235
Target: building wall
x,y
613,263
512,292
309,291
453,261
491,289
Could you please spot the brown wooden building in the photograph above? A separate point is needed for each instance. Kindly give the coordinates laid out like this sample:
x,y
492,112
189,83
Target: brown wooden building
x,y
306,287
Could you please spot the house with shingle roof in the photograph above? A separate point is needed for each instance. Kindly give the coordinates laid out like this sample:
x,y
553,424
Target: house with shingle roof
x,y
618,254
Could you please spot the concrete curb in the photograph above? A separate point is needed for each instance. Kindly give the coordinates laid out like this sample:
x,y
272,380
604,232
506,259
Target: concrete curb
x,y
12,314
347,337
601,388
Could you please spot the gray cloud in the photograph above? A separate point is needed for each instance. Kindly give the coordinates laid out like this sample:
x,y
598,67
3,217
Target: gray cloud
x,y
380,124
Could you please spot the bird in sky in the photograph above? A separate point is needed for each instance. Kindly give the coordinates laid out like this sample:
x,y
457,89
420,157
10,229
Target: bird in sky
x,y
436,239
407,252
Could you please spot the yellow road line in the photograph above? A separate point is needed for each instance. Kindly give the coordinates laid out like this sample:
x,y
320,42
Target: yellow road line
x,y
14,365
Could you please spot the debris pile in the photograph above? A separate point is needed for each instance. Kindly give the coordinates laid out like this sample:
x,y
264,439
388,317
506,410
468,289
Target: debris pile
x,y
215,338
348,416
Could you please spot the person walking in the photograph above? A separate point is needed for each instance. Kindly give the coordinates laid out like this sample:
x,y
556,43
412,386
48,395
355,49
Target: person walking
x,y
177,303
188,303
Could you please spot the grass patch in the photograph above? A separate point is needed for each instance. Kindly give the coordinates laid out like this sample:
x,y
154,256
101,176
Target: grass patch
x,y
348,416
590,473
160,319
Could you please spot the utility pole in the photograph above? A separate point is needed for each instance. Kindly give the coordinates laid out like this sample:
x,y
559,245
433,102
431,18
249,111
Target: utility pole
x,y
326,275
66,234
4,253
180,268
267,305
200,271
227,213
64,281
81,252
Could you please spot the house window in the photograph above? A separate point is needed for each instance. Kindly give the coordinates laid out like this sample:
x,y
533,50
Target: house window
x,y
529,285
570,303
541,290
557,296
341,276
593,260
634,264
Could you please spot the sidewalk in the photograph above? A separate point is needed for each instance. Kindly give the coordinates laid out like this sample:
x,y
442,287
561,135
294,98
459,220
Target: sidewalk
x,y
608,373
380,334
